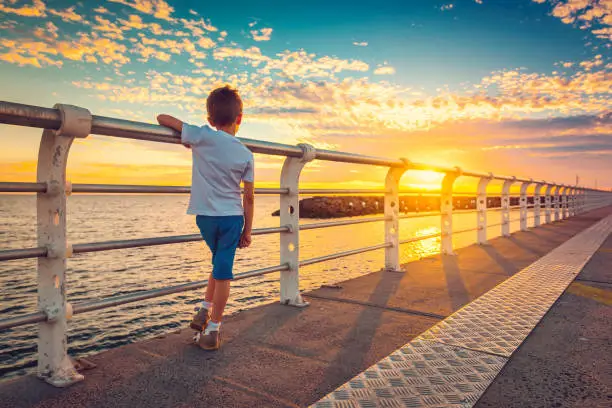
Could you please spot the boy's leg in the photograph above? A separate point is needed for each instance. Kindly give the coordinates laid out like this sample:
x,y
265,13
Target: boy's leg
x,y
210,288
222,289
230,229
209,232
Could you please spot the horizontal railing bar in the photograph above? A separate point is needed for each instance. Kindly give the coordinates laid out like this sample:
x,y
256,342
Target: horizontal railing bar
x,y
116,188
461,231
29,318
141,242
421,238
18,187
469,211
10,254
90,306
343,254
310,191
343,222
420,215
150,294
49,118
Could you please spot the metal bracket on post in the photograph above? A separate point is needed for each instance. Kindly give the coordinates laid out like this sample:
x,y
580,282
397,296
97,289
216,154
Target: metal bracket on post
x,y
290,216
547,203
537,204
556,203
523,204
392,210
446,211
481,208
505,207
54,365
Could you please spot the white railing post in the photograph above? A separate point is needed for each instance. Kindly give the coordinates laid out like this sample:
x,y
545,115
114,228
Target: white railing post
x,y
547,204
523,204
564,202
54,365
505,207
290,216
556,203
570,202
537,204
481,208
446,210
392,211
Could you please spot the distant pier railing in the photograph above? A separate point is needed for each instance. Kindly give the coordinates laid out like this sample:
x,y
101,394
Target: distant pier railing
x,y
63,123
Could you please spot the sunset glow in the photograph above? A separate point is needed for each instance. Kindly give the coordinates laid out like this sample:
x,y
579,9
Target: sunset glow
x,y
518,88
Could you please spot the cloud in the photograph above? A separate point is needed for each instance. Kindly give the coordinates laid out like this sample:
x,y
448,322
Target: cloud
x,y
384,70
36,9
108,29
50,31
157,8
253,54
360,44
68,15
587,14
198,27
263,34
102,10
301,64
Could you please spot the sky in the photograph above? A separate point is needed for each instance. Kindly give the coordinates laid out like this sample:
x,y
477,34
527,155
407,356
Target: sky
x,y
514,87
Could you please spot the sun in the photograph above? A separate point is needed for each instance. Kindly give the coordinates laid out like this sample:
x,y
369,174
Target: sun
x,y
427,176
422,180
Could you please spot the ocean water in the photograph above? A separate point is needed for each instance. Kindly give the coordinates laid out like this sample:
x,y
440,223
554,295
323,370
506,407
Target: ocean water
x,y
99,275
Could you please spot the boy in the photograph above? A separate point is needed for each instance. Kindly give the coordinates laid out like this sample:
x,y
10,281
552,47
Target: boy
x,y
220,163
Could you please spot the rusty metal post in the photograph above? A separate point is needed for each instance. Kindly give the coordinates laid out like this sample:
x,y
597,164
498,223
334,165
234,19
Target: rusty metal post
x,y
505,207
446,210
392,210
290,216
523,204
54,365
481,208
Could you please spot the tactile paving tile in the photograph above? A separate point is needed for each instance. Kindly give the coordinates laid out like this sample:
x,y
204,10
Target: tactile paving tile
x,y
420,374
453,363
500,320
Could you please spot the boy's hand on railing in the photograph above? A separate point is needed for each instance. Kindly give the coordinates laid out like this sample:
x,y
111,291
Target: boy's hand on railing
x,y
245,240
170,122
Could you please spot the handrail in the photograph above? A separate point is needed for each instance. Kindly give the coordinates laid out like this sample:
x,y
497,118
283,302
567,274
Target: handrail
x,y
49,118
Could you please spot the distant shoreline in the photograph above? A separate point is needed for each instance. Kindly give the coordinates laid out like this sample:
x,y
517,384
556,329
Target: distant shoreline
x,y
352,206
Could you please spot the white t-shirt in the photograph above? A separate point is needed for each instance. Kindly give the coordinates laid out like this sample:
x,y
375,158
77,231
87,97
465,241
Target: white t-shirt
x,y
220,163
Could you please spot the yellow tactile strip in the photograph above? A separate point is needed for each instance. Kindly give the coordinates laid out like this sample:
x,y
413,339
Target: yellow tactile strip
x,y
454,362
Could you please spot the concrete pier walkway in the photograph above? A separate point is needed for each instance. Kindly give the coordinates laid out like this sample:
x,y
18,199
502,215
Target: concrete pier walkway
x,y
278,356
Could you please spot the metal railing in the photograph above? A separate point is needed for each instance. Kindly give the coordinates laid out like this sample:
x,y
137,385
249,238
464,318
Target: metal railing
x,y
63,123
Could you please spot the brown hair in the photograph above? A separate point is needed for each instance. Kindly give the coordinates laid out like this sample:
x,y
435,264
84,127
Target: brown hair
x,y
224,106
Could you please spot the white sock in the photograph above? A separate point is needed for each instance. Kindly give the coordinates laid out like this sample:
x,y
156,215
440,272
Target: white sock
x,y
207,305
212,326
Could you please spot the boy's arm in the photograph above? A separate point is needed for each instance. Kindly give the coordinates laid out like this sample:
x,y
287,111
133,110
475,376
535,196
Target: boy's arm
x,y
172,123
248,202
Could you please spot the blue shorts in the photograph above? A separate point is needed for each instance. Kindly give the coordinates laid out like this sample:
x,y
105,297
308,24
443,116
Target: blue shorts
x,y
222,235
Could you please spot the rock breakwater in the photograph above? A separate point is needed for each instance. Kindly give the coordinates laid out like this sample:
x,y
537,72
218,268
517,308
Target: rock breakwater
x,y
352,206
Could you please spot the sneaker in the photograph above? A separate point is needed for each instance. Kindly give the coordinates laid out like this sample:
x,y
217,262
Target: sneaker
x,y
200,320
210,340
